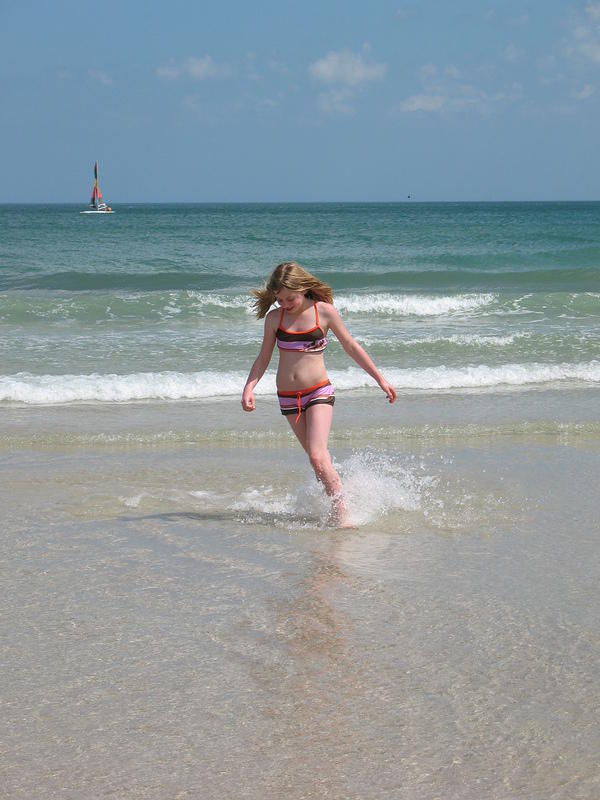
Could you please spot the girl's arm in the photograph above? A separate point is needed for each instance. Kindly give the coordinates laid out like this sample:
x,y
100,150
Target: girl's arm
x,y
354,350
262,362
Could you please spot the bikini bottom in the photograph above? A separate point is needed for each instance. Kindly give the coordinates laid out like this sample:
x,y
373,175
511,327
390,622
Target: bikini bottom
x,y
297,402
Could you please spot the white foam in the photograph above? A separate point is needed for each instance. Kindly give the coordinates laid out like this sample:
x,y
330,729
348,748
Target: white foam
x,y
266,500
473,376
134,501
57,389
483,376
111,388
412,305
202,299
374,485
458,338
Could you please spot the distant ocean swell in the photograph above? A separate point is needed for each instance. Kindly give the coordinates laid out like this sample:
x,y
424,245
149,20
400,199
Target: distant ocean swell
x,y
24,308
155,304
563,278
112,388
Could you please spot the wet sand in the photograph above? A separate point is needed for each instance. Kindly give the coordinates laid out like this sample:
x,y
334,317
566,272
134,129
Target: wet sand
x,y
180,621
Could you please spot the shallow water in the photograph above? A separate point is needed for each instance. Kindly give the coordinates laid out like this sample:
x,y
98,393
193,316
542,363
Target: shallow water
x,y
181,621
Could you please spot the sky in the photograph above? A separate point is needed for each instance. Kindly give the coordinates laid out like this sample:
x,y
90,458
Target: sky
x,y
277,101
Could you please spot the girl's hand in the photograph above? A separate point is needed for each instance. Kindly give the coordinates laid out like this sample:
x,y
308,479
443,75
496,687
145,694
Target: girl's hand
x,y
389,390
248,403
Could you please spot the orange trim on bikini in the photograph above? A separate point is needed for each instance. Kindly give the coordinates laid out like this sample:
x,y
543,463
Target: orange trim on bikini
x,y
294,392
310,330
299,394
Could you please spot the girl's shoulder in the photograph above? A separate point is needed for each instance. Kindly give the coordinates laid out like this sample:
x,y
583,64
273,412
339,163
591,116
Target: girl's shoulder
x,y
326,310
321,304
272,317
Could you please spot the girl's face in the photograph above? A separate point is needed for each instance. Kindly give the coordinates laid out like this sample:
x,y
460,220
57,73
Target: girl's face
x,y
291,302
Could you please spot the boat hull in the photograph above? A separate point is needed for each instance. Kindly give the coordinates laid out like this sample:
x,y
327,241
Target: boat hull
x,y
97,212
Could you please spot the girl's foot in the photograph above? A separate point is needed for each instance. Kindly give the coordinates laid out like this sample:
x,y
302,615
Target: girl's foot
x,y
341,515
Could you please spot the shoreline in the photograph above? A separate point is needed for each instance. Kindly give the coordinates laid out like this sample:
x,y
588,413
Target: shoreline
x,y
181,621
354,410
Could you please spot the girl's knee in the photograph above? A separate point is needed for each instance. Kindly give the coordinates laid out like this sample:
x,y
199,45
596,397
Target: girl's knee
x,y
320,460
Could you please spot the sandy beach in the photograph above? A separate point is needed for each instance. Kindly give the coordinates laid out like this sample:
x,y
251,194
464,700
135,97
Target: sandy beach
x,y
181,621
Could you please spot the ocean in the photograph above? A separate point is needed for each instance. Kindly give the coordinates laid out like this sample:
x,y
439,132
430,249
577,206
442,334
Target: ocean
x,y
152,302
180,620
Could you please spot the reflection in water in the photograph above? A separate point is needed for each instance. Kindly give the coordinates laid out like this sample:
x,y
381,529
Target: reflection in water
x,y
317,627
311,701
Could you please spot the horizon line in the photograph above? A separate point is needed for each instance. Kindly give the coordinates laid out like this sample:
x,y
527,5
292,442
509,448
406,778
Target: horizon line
x,y
407,201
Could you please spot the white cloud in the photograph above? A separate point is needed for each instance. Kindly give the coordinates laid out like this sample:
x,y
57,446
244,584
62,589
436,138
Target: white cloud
x,y
169,71
593,11
586,34
337,101
197,68
409,10
443,92
583,94
346,69
591,50
424,102
100,77
201,68
346,73
460,98
512,53
427,72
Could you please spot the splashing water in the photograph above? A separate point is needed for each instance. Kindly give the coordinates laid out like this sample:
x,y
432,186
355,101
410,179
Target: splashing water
x,y
375,484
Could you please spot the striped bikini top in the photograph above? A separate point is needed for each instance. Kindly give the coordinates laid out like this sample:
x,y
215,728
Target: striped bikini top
x,y
311,341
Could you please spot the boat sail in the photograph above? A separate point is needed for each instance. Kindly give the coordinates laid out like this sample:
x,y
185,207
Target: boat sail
x,y
97,204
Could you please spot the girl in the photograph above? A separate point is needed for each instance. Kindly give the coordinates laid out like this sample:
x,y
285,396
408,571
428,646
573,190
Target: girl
x,y
299,327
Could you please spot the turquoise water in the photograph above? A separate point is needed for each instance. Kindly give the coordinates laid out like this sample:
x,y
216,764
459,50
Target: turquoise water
x,y
176,599
152,302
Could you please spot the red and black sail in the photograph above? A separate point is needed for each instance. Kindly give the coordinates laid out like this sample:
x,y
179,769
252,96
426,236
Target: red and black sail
x,y
96,193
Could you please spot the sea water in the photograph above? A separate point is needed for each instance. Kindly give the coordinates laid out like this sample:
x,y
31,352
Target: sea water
x,y
180,618
152,302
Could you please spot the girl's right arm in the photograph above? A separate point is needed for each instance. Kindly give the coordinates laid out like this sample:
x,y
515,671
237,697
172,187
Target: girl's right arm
x,y
262,362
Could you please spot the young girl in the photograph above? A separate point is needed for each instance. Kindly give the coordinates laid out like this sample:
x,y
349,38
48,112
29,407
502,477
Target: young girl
x,y
299,327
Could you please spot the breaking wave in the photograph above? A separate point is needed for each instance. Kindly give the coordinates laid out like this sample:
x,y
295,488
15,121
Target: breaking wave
x,y
112,388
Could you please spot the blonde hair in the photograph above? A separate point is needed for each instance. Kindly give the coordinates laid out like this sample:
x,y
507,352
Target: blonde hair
x,y
292,276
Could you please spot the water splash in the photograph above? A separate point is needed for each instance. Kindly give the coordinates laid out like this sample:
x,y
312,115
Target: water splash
x,y
375,485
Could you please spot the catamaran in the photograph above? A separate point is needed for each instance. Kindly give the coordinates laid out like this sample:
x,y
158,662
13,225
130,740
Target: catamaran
x,y
97,204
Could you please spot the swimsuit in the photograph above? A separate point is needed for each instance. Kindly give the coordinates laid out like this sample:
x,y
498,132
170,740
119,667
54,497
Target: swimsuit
x,y
297,402
310,341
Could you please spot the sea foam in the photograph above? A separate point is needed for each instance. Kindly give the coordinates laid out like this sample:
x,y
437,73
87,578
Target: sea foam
x,y
112,388
375,484
411,305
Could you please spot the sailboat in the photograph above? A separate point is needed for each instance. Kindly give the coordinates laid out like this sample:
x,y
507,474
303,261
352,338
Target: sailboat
x,y
97,204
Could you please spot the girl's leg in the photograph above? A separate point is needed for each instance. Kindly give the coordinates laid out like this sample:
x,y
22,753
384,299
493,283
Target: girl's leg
x,y
318,425
312,431
299,427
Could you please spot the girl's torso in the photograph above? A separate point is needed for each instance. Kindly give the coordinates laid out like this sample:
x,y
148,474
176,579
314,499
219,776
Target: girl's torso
x,y
301,362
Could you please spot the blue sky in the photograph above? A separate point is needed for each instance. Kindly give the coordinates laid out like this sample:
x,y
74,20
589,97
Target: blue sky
x,y
284,101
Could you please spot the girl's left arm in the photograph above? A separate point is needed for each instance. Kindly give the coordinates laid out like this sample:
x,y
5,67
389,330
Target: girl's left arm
x,y
354,350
